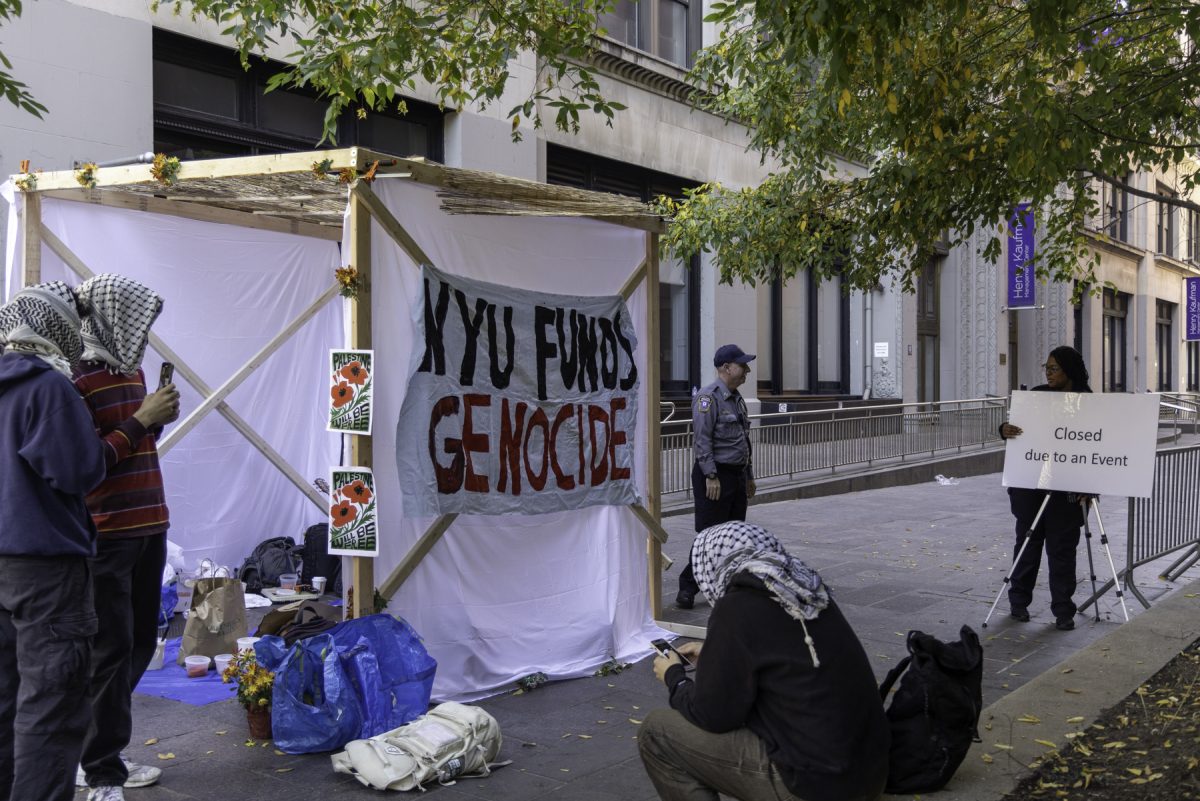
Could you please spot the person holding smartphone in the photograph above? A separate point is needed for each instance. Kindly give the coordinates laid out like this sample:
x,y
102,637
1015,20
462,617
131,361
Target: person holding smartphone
x,y
783,702
130,511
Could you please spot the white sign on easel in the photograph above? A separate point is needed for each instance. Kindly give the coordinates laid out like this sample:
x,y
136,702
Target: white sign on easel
x,y
1087,443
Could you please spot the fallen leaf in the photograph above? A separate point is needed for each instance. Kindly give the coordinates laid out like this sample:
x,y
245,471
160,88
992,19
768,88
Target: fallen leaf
x,y
565,770
151,741
225,731
602,721
167,755
585,737
279,753
1114,744
284,770
987,758
1046,743
635,721
1002,746
1072,690
1076,719
206,753
1031,719
1067,670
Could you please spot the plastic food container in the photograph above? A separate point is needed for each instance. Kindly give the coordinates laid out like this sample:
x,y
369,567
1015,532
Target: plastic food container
x,y
288,581
197,666
246,643
222,661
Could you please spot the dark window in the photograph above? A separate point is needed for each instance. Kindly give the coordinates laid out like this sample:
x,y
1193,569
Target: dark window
x,y
1166,224
928,328
1164,317
1193,236
207,106
1193,366
1116,310
670,29
679,287
1114,203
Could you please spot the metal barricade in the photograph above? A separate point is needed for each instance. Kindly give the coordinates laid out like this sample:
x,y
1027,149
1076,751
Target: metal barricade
x,y
794,443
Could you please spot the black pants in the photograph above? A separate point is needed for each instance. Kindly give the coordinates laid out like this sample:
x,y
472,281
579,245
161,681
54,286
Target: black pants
x,y
1060,543
731,505
46,629
128,576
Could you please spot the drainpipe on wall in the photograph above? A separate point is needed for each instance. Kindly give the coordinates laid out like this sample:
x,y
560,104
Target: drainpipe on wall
x,y
868,343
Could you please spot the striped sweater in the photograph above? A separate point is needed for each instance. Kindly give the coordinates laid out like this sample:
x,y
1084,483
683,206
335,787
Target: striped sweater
x,y
130,502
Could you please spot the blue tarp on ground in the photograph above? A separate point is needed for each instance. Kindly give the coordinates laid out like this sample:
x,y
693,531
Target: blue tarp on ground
x,y
172,681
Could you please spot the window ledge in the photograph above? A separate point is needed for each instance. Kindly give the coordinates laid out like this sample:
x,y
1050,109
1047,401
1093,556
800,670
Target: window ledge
x,y
1117,246
639,68
1175,264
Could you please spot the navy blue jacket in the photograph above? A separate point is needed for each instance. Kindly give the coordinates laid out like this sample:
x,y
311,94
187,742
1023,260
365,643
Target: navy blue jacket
x,y
50,457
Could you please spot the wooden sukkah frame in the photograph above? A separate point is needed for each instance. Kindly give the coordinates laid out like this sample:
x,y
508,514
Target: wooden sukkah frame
x,y
306,194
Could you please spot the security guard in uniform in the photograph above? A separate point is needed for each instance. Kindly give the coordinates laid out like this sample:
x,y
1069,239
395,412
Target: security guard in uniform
x,y
723,475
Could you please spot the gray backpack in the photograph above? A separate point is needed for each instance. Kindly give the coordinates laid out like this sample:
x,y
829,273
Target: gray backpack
x,y
269,560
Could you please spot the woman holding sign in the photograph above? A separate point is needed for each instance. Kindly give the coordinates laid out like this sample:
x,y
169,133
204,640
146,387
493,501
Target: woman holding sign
x,y
1058,529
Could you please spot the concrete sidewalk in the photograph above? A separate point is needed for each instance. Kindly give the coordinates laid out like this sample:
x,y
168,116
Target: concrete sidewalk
x,y
925,556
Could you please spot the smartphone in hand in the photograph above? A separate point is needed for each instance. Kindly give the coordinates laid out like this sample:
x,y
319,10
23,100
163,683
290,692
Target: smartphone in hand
x,y
663,648
166,374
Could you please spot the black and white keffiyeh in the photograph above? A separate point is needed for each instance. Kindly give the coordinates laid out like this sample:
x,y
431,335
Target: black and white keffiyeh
x,y
43,320
721,552
118,328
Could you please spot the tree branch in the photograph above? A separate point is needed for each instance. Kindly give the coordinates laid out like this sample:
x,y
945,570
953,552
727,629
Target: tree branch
x,y
1177,202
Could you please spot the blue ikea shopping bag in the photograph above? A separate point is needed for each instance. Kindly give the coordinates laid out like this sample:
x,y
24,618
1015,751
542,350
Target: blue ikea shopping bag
x,y
389,668
314,707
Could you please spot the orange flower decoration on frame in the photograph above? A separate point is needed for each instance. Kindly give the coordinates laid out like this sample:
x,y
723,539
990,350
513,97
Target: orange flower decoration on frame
x,y
342,394
343,512
355,373
358,492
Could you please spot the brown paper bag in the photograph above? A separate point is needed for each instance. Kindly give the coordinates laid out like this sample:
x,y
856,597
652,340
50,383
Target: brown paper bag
x,y
217,618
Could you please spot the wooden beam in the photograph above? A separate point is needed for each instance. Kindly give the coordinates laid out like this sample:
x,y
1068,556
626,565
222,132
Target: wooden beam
x,y
653,527
197,211
31,251
362,569
389,223
274,457
634,280
235,380
230,167
415,554
653,428
686,629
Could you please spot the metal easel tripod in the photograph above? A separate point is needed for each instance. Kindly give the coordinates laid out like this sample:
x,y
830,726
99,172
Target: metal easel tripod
x,y
1116,579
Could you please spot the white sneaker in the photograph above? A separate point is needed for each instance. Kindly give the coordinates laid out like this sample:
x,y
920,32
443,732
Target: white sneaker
x,y
139,775
106,794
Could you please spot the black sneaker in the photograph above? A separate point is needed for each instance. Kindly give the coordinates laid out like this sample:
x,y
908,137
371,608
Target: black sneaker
x,y
686,599
1064,624
1019,613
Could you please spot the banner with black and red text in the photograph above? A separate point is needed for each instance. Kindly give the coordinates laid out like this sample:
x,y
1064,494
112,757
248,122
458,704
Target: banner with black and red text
x,y
522,401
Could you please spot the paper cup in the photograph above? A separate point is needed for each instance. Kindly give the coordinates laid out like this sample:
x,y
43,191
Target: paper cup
x,y
319,584
246,643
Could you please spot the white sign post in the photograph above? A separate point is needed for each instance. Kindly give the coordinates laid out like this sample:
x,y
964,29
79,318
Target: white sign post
x,y
1087,443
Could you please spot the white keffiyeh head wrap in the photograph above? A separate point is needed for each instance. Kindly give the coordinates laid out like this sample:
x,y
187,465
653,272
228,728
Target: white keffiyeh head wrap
x,y
43,320
723,551
118,328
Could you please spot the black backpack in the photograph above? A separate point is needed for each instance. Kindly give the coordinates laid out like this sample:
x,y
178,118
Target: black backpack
x,y
934,715
268,561
318,562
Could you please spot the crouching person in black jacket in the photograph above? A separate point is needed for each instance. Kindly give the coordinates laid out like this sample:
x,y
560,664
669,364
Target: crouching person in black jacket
x,y
784,704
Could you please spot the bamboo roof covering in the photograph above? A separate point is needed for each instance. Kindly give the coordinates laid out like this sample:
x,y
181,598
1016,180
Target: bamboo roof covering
x,y
287,192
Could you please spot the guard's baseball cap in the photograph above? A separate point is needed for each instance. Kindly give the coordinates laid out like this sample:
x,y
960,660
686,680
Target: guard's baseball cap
x,y
731,353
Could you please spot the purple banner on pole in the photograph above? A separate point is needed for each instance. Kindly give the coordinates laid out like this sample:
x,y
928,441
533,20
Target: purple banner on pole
x,y
1191,305
1020,258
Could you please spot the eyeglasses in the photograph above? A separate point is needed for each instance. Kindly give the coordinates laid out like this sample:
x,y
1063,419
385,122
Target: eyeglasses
x,y
1051,369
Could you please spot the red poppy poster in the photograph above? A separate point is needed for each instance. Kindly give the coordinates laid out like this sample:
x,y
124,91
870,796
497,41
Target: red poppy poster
x,y
353,530
350,394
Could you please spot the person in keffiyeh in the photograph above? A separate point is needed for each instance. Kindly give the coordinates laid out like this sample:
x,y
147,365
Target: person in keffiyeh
x,y
49,459
783,704
130,512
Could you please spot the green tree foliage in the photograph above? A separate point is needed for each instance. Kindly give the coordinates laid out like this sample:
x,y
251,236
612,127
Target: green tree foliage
x,y
13,90
359,54
949,112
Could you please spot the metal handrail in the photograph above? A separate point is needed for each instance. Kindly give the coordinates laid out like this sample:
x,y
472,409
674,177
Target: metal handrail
x,y
797,442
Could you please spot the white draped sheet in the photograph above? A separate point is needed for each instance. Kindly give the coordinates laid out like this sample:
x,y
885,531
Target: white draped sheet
x,y
501,597
227,291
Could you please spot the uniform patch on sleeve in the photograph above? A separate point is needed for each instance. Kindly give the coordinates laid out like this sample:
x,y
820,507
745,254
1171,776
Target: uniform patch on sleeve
x,y
703,403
